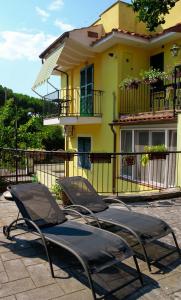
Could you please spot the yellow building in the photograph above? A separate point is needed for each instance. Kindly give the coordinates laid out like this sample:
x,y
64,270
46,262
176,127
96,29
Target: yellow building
x,y
99,116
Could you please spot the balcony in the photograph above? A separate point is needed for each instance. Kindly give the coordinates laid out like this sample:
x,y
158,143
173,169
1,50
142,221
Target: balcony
x,y
149,102
73,107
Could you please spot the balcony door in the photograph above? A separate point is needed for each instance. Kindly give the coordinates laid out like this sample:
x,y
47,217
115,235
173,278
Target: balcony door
x,y
86,91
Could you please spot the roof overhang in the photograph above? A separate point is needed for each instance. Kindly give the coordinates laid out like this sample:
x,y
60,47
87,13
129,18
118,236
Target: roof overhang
x,y
133,40
69,55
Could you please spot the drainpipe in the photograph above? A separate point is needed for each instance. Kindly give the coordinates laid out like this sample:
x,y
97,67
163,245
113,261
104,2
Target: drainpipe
x,y
114,159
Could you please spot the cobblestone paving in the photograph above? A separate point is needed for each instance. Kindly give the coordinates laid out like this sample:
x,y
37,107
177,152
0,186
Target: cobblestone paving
x,y
24,271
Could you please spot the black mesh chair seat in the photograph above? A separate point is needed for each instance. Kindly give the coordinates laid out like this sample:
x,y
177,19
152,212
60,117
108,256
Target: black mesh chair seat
x,y
148,228
97,247
144,228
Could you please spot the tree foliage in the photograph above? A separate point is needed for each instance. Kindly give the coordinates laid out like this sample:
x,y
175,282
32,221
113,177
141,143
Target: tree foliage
x,y
152,12
26,113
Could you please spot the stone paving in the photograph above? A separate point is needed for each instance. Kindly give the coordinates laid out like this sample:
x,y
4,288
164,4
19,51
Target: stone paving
x,y
24,271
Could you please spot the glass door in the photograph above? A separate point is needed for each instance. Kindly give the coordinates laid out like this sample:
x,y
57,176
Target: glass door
x,y
86,91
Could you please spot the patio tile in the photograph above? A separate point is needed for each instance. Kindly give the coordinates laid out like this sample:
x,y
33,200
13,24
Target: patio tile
x,y
40,274
68,283
9,298
1,267
81,295
176,296
3,277
15,269
171,284
42,293
17,286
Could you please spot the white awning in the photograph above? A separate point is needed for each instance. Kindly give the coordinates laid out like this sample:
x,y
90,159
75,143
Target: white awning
x,y
47,68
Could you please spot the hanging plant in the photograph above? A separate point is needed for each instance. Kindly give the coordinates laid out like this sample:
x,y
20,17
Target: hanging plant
x,y
129,160
130,83
152,76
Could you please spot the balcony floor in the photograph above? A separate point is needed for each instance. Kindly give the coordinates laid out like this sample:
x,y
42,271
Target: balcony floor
x,y
147,117
72,120
24,272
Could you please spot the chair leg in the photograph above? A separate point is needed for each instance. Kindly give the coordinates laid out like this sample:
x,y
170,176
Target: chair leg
x,y
90,282
138,270
146,258
176,244
49,258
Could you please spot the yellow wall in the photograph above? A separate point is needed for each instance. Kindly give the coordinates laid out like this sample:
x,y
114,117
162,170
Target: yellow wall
x,y
173,17
120,15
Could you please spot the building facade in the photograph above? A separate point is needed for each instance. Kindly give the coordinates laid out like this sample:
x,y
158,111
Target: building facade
x,y
97,114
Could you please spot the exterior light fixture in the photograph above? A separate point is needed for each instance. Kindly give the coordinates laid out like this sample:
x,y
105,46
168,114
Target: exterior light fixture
x,y
175,49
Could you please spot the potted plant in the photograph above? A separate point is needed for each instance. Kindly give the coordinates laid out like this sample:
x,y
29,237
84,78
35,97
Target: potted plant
x,y
153,76
129,160
100,157
130,83
60,195
153,152
3,185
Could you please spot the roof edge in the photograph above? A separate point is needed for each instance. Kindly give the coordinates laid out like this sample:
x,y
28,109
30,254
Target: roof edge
x,y
58,40
115,3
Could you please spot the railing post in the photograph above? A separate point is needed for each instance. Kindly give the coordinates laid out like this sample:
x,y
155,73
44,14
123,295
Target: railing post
x,y
175,94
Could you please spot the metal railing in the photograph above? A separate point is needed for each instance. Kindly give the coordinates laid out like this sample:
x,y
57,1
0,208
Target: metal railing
x,y
155,97
108,172
147,98
73,103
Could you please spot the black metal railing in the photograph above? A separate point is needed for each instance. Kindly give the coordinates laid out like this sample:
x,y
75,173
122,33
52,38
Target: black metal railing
x,y
108,172
155,97
73,103
147,98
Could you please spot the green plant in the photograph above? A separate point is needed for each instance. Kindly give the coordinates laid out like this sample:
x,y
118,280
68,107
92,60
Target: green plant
x,y
34,178
153,75
56,189
152,12
130,83
151,149
3,184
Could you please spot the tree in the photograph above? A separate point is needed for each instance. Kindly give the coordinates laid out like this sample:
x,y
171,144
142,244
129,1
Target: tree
x,y
31,133
152,12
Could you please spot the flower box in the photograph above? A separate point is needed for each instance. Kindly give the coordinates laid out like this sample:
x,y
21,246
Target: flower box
x,y
100,158
157,155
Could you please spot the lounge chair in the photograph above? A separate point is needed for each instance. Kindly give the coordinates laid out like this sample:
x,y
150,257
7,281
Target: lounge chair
x,y
144,228
94,248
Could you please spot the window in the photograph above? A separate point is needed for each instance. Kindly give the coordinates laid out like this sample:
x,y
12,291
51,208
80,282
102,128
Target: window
x,y
126,146
157,172
84,145
86,91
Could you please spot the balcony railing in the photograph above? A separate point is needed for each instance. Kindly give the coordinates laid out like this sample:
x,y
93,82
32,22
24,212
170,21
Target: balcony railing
x,y
150,99
153,97
73,103
108,172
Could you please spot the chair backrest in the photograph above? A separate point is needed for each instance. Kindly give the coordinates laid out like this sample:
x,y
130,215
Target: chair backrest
x,y
81,192
36,203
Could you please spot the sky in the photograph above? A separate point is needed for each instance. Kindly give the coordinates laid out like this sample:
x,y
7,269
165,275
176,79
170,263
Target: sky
x,y
27,27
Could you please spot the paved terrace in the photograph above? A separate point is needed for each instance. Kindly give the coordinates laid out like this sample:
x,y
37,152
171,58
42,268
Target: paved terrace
x,y
24,271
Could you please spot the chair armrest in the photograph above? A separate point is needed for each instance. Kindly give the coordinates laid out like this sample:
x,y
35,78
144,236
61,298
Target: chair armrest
x,y
87,210
116,201
73,211
33,224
